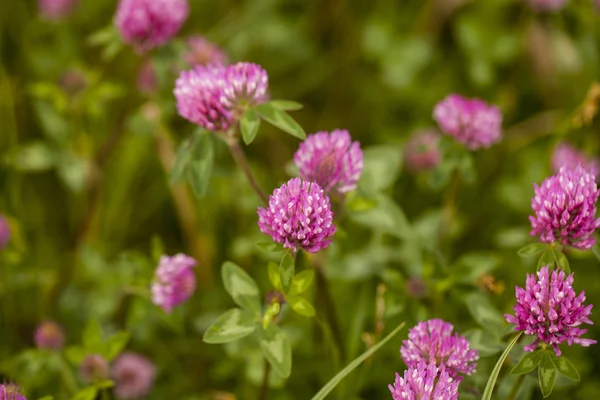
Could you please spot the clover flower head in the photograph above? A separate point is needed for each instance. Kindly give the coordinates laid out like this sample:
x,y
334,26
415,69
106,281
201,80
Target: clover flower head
x,y
216,96
147,24
425,382
49,335
201,51
550,309
433,342
174,281
133,375
471,122
10,391
55,10
94,368
422,151
330,159
566,155
298,216
565,208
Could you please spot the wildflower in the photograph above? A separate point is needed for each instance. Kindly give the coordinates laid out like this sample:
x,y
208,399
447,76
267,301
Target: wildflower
x,y
94,368
174,282
549,308
4,232
422,152
330,159
147,24
425,382
10,391
54,10
433,342
547,5
200,51
565,209
567,155
49,335
215,97
470,121
133,375
298,216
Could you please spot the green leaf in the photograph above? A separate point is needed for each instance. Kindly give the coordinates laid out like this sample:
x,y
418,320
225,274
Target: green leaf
x,y
201,164
285,105
484,313
157,248
92,337
115,344
547,258
281,120
249,124
268,246
277,350
564,366
182,159
528,363
382,165
75,354
241,287
386,217
470,266
329,386
273,270
562,261
35,156
546,374
88,393
103,36
232,325
532,249
302,281
301,305
489,387
286,272
356,202
105,384
270,313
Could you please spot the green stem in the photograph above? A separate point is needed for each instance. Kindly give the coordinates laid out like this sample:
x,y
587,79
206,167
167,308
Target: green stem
x,y
324,296
67,376
489,387
265,382
242,162
516,386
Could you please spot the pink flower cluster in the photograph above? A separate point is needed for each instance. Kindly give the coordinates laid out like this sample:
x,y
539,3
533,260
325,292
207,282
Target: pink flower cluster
x,y
433,342
330,159
550,309
565,209
470,121
10,391
547,5
423,382
174,281
49,335
566,155
216,96
298,216
54,10
422,151
200,51
133,375
147,24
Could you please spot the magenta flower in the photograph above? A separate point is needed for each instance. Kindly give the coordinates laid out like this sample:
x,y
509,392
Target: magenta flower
x,y
10,391
566,155
330,159
4,232
433,342
298,216
49,335
54,10
215,97
470,121
133,375
549,308
425,382
565,209
94,368
422,151
547,5
200,51
147,24
174,281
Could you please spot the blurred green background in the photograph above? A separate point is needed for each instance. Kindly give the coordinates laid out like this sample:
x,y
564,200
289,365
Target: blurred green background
x,y
83,181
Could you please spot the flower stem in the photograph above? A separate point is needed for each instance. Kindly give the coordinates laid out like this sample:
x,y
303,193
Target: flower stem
x,y
265,382
516,386
325,298
242,162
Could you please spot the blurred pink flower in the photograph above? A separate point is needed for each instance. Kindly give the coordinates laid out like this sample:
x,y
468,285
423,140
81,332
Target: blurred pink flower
x,y
566,155
174,281
200,51
147,81
547,5
4,232
422,151
49,335
133,375
54,10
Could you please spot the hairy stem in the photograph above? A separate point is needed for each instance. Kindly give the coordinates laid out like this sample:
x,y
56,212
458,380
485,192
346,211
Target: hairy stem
x,y
242,162
264,390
